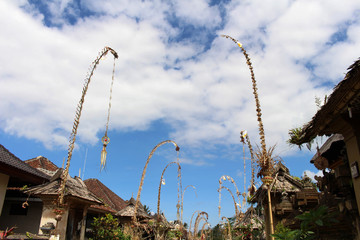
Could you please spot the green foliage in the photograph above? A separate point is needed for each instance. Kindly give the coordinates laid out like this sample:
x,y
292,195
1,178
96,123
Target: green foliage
x,y
295,235
147,209
296,135
170,235
248,231
107,228
280,228
296,178
303,180
232,220
282,232
310,222
174,234
218,232
315,218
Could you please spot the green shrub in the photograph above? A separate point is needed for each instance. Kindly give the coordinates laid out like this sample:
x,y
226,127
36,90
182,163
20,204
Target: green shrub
x,y
175,234
280,229
309,226
107,228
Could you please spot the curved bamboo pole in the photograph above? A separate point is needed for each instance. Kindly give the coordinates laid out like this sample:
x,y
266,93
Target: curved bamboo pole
x,y
177,148
245,137
203,228
192,216
77,120
224,178
182,200
196,227
232,195
201,216
161,183
229,227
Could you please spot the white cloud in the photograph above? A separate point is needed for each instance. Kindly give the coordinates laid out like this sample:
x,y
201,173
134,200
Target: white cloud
x,y
205,96
312,175
198,13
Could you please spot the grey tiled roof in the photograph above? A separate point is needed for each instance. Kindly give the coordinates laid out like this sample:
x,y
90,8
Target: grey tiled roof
x,y
7,158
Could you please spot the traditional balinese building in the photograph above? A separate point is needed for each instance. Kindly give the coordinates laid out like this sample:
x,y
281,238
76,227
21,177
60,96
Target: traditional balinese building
x,y
126,214
16,175
339,117
69,220
250,223
28,196
336,190
112,202
289,196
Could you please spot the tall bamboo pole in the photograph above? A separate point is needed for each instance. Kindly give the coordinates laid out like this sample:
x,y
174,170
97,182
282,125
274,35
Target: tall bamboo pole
x,y
77,120
264,160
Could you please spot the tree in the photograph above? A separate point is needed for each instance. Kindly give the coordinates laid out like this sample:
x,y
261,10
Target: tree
x,y
218,232
147,209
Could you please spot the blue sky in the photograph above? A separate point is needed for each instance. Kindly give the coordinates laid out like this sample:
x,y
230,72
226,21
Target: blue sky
x,y
175,78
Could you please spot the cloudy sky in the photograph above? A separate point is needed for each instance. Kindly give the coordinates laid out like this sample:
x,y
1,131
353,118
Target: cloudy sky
x,y
175,78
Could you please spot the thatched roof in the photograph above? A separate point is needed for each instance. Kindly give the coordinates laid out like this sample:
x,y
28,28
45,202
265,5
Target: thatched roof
x,y
329,152
283,181
345,97
129,210
250,217
75,187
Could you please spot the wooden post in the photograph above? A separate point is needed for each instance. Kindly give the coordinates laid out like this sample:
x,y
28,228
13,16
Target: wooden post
x,y
83,223
271,227
267,180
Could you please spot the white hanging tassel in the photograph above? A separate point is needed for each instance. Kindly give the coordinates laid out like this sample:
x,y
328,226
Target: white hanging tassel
x,y
105,140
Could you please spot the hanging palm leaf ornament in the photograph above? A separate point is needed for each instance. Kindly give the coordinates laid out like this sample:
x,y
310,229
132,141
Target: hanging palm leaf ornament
x,y
106,140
